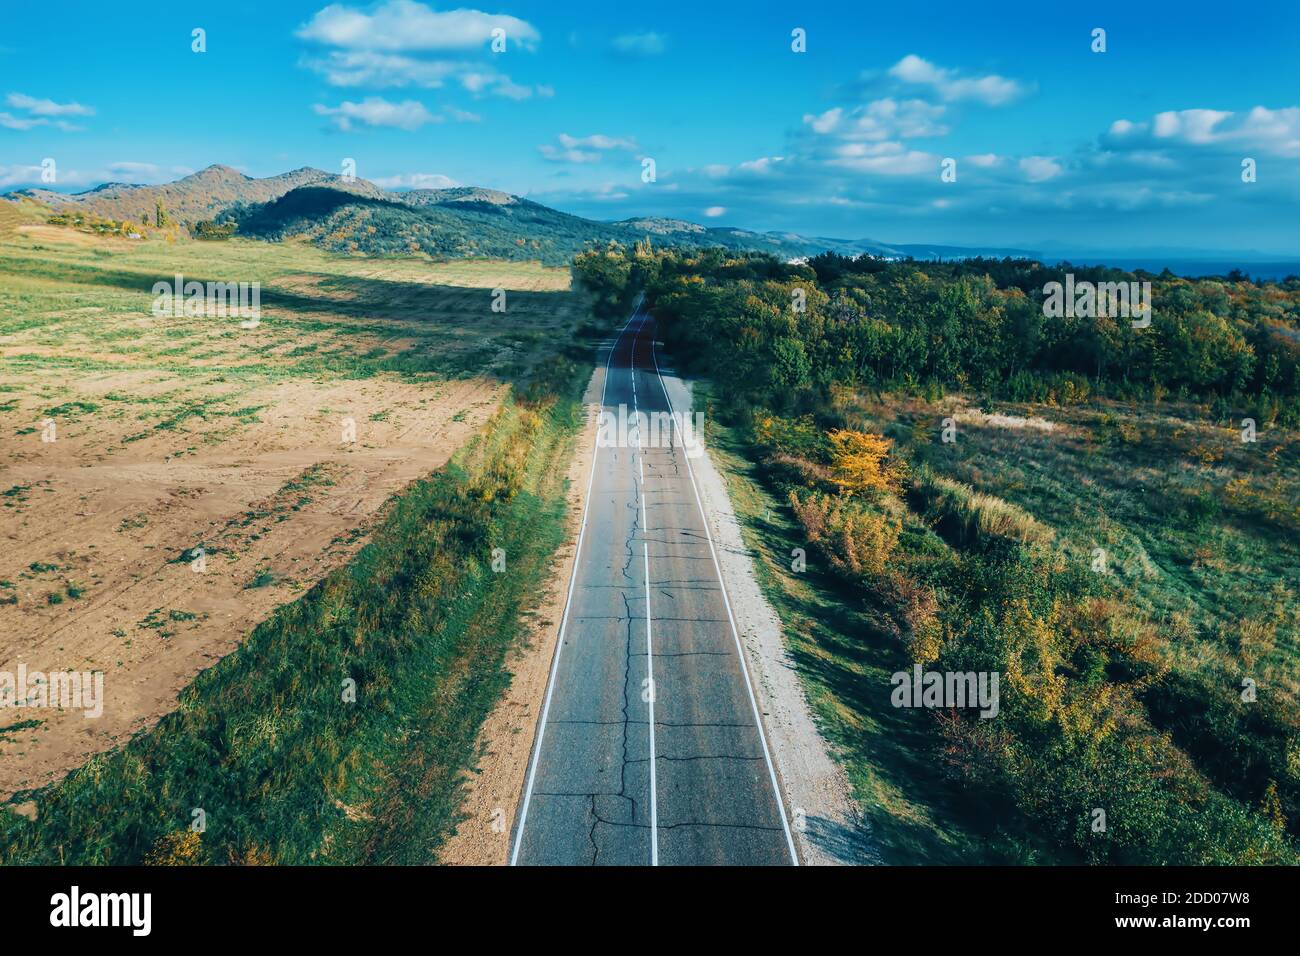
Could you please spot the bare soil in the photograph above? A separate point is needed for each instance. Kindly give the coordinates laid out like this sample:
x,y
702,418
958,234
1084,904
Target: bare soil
x,y
108,527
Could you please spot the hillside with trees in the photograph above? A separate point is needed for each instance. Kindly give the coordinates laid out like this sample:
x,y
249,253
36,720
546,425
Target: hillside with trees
x,y
199,196
456,222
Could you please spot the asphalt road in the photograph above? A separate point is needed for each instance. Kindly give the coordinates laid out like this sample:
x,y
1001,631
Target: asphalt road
x,y
625,771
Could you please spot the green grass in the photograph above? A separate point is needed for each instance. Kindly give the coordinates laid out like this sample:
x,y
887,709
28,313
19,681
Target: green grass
x,y
1002,529
286,770
1199,528
845,654
74,315
1155,552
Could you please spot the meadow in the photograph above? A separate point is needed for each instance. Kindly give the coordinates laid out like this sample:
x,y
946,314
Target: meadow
x,y
275,449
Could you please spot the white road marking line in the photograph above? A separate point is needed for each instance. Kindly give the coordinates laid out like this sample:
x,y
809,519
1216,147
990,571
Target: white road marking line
x,y
568,602
744,667
650,670
649,651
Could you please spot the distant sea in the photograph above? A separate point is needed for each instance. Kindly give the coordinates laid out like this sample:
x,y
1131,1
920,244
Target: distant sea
x,y
1192,268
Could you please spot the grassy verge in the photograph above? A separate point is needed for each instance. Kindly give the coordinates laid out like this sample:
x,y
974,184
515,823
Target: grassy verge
x,y
283,767
844,656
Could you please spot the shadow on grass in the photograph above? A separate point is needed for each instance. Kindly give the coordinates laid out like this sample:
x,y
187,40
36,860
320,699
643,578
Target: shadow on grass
x,y
456,337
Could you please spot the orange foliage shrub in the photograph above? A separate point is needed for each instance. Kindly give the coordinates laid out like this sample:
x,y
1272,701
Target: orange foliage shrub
x,y
859,462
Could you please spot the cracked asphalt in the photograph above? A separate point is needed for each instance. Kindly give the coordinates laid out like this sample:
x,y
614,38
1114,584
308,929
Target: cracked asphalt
x,y
588,797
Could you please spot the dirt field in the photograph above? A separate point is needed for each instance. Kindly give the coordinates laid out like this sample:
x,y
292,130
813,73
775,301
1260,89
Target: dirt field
x,y
171,434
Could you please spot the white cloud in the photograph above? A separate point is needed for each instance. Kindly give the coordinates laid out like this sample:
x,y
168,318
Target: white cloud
x,y
39,107
9,121
1263,129
950,85
603,192
585,149
416,181
825,122
596,141
881,119
755,167
487,81
367,68
889,159
764,164
18,175
377,111
713,212
891,119
647,43
1278,127
406,25
1191,126
1039,169
135,172
556,155
374,43
41,112
983,160
382,70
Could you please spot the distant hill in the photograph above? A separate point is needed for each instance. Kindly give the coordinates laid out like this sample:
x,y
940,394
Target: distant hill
x,y
920,251
357,216
450,228
456,195
199,196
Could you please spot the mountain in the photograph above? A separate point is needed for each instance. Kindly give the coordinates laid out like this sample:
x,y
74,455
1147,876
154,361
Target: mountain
x,y
201,195
356,216
458,194
471,222
447,229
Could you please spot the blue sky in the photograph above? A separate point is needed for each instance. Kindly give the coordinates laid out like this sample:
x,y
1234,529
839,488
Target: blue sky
x,y
1137,147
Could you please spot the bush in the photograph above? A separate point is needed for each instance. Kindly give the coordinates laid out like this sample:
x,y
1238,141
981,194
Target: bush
x,y
857,539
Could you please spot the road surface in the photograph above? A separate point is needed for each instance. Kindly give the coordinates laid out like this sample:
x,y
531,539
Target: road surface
x,y
649,749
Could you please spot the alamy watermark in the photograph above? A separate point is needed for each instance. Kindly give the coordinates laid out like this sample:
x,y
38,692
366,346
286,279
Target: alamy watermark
x,y
1088,300
75,908
178,298
61,690
945,689
639,429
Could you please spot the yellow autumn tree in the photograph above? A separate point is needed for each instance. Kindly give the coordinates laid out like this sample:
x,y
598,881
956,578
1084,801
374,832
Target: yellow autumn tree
x,y
859,461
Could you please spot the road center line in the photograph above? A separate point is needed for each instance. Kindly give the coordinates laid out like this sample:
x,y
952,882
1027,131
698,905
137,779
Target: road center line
x,y
649,648
650,671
